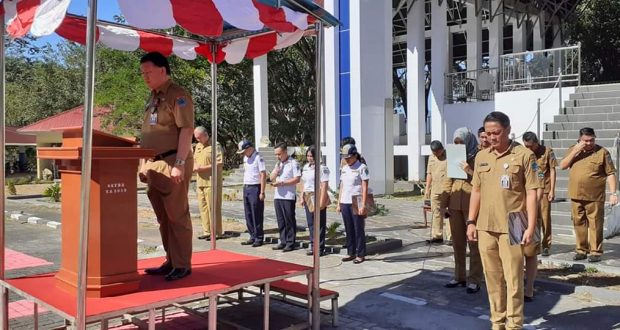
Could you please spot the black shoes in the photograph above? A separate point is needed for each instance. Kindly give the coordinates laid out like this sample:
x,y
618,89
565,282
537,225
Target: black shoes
x,y
528,299
455,283
579,256
248,242
178,273
348,258
278,247
434,241
472,288
257,244
164,269
288,249
321,253
594,258
545,252
207,237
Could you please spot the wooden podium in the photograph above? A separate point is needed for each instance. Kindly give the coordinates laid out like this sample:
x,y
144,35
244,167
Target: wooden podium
x,y
113,232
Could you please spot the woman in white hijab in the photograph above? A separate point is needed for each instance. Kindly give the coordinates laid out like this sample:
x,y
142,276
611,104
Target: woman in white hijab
x,y
456,200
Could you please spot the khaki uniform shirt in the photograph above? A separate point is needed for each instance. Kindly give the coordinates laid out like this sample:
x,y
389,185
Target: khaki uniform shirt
x,y
456,192
438,169
545,158
519,164
202,157
588,174
169,109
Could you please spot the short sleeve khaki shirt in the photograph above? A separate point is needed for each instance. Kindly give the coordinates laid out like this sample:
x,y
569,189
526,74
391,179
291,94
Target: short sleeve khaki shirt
x,y
545,158
438,169
168,109
202,157
519,164
456,192
588,173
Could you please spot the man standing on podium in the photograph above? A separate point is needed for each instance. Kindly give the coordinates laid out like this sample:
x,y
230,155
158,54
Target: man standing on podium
x,y
167,128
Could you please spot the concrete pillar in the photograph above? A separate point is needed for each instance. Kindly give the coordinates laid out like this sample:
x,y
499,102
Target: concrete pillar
x,y
439,66
261,102
557,32
496,37
371,87
416,102
474,39
332,97
539,31
519,36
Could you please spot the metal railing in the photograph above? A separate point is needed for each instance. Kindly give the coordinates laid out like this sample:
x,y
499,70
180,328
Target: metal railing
x,y
471,86
540,69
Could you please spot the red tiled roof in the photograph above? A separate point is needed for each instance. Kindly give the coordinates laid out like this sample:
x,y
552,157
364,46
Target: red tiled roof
x,y
66,119
12,137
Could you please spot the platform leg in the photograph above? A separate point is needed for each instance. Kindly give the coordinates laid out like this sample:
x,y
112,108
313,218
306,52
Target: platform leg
x,y
104,324
309,276
4,307
266,306
335,312
163,315
35,316
213,312
151,319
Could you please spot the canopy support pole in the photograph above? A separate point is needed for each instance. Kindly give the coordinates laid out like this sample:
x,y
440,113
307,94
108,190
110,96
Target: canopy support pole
x,y
316,307
4,293
214,168
87,143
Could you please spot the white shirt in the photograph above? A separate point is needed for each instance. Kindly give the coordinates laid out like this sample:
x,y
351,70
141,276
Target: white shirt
x,y
351,178
307,175
252,167
288,169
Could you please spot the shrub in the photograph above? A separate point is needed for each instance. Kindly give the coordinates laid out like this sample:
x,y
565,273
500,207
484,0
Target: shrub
x,y
10,184
53,192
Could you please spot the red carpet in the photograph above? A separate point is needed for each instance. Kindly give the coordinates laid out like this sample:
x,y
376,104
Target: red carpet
x,y
212,272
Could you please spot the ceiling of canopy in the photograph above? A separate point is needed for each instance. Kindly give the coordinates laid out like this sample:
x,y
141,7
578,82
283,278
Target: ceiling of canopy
x,y
240,28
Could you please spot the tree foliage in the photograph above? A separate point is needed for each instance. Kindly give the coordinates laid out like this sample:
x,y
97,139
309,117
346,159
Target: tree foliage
x,y
596,27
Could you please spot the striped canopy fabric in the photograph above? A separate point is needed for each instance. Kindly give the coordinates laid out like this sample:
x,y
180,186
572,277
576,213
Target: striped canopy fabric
x,y
240,28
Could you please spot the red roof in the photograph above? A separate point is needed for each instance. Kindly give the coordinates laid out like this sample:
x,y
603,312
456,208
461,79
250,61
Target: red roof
x,y
14,138
66,119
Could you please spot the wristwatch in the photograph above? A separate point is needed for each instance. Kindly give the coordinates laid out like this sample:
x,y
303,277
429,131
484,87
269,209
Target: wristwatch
x,y
470,222
179,162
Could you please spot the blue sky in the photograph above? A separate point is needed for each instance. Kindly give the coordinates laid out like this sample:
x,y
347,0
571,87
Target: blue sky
x,y
106,11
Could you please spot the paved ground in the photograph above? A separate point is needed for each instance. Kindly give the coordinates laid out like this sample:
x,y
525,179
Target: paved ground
x,y
402,289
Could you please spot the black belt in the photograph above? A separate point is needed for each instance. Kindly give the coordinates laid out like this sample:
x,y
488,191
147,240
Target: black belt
x,y
251,185
163,155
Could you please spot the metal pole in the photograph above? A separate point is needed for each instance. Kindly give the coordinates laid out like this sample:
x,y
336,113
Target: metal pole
x,y
4,293
214,170
560,91
579,64
538,119
87,143
316,316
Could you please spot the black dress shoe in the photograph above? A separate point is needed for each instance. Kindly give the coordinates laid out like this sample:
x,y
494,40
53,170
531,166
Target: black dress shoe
x,y
528,299
545,252
164,269
594,258
472,288
248,242
204,236
178,273
348,258
434,241
257,244
579,256
288,249
278,247
455,283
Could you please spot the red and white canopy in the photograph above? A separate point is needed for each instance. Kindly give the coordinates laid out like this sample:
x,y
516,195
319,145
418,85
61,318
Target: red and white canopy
x,y
209,18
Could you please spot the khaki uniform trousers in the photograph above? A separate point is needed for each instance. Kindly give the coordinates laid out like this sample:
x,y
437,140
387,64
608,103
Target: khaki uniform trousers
x,y
545,217
503,272
459,245
204,205
588,220
171,207
438,219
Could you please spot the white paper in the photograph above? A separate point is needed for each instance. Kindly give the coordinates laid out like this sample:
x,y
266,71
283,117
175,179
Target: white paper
x,y
455,154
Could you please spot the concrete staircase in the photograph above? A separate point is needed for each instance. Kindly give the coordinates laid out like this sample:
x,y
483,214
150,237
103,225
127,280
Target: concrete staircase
x,y
597,107
234,181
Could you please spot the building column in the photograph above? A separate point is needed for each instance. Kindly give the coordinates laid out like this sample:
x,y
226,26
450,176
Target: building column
x,y
332,97
416,99
261,102
371,88
496,36
519,36
439,66
539,31
474,39
557,33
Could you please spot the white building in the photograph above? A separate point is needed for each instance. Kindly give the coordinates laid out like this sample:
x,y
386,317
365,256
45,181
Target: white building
x,y
461,58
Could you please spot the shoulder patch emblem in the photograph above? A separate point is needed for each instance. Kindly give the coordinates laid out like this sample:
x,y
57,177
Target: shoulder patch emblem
x,y
181,101
366,170
535,166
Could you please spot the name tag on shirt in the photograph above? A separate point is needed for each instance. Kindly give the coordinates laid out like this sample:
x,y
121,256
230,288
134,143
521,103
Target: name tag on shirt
x,y
153,118
505,181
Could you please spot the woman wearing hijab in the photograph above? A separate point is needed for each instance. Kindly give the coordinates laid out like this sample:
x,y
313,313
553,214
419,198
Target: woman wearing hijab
x,y
456,200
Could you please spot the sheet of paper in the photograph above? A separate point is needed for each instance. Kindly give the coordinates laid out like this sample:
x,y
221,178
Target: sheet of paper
x,y
455,154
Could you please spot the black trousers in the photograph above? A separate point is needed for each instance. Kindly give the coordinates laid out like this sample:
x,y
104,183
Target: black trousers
x,y
322,226
254,210
354,226
287,225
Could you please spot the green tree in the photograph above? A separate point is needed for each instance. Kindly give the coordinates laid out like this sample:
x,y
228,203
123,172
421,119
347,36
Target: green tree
x,y
596,27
